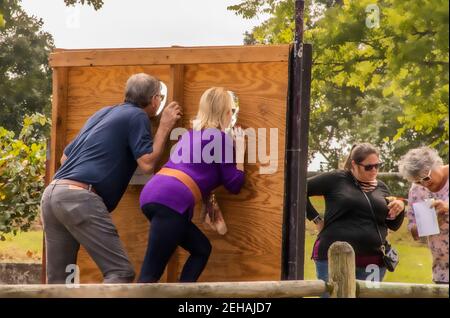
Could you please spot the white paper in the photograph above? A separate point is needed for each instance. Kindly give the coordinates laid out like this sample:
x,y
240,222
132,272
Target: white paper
x,y
426,218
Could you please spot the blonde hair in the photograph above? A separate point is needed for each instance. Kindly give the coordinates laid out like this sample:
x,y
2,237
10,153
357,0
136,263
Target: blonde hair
x,y
214,105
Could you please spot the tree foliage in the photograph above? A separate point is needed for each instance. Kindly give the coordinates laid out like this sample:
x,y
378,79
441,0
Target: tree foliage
x,y
22,171
25,76
96,4
386,82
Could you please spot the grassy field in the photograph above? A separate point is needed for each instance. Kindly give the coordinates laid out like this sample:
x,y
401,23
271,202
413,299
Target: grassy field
x,y
414,266
23,248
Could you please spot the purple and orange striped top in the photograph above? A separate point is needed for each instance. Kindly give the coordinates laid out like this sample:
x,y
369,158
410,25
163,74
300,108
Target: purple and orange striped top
x,y
208,157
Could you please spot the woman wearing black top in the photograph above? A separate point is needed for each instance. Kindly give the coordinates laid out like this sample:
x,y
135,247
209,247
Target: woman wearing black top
x,y
348,216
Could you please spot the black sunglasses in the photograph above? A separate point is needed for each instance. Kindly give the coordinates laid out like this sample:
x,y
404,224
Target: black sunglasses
x,y
370,167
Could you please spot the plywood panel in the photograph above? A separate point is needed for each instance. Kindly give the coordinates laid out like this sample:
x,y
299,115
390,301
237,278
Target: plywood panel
x,y
252,248
91,88
59,117
176,93
174,55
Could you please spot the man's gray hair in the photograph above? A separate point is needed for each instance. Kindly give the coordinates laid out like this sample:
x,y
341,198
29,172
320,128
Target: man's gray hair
x,y
418,162
141,88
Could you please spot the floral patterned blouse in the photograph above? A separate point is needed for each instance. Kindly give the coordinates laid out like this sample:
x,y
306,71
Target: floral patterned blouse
x,y
438,244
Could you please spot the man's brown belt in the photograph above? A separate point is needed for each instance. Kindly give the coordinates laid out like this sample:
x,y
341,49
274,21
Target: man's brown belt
x,y
75,183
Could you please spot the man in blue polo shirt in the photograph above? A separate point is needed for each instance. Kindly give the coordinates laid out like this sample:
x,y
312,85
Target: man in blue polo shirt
x,y
96,169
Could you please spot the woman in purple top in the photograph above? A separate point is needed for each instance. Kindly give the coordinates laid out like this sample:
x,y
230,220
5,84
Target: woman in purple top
x,y
207,155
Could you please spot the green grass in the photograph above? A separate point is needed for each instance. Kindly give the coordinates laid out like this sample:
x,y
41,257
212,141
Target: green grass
x,y
415,257
414,266
23,248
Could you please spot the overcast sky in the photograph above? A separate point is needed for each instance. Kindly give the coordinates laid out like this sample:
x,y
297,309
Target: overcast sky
x,y
141,23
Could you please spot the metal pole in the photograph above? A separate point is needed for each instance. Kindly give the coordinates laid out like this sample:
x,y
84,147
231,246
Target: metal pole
x,y
297,152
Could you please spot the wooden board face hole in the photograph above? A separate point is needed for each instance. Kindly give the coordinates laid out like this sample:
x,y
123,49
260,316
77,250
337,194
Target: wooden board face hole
x,y
164,92
235,108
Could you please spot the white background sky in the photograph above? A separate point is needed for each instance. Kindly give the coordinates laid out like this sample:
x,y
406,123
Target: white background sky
x,y
143,23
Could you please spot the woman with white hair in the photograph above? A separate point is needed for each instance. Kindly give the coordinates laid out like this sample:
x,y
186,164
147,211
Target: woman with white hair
x,y
429,176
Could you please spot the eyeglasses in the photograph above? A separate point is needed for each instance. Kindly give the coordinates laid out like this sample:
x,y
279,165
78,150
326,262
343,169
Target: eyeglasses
x,y
427,178
370,167
161,96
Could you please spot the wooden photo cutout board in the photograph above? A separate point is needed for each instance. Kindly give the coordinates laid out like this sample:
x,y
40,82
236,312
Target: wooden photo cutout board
x,y
86,80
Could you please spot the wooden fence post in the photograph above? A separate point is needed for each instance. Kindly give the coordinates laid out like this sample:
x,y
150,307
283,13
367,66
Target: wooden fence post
x,y
341,270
